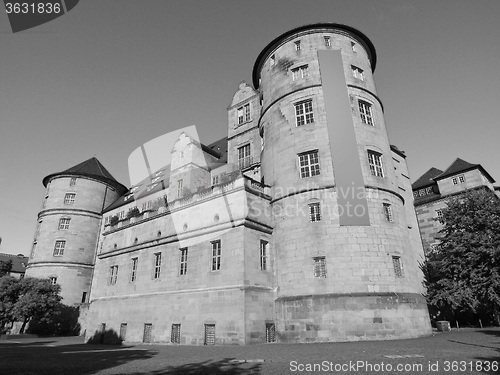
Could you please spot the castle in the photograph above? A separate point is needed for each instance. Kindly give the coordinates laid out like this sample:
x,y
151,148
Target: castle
x,y
299,226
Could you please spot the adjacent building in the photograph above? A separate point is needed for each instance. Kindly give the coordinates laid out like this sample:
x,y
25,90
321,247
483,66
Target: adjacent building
x,y
435,187
18,264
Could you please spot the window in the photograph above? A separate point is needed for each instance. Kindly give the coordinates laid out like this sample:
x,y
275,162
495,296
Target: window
x,y
69,198
179,188
157,266
216,255
148,332
175,334
215,180
388,212
460,179
63,223
133,273
300,72
183,261
398,268
357,73
328,41
314,212
243,114
59,248
270,332
244,157
72,182
375,162
84,297
273,60
439,214
319,267
113,274
304,112
353,46
297,45
309,164
263,255
123,331
365,111
53,280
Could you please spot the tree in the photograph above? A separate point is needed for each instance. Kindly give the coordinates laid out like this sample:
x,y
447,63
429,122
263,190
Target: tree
x,y
463,272
5,267
9,293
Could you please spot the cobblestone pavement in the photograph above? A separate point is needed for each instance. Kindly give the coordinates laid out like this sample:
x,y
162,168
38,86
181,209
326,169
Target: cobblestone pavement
x,y
458,352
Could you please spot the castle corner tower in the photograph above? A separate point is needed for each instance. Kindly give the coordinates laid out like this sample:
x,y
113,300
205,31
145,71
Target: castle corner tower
x,y
68,227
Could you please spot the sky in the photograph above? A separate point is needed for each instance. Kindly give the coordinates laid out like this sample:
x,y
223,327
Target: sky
x,y
111,75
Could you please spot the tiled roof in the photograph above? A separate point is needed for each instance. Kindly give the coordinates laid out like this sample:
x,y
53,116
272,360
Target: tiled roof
x,y
19,262
90,168
459,166
427,178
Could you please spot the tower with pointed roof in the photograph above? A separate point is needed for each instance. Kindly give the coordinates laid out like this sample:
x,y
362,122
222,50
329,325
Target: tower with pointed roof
x,y
66,237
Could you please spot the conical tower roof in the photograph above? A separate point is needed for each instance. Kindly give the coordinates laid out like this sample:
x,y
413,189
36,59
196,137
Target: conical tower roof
x,y
90,168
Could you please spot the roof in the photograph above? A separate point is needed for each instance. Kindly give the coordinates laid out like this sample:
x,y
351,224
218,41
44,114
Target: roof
x,y
19,262
459,166
90,168
356,34
427,178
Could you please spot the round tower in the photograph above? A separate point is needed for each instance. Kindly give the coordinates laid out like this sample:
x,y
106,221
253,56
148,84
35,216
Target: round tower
x,y
68,227
346,268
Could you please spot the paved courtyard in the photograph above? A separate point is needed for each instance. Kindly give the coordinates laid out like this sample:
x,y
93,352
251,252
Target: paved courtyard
x,y
466,351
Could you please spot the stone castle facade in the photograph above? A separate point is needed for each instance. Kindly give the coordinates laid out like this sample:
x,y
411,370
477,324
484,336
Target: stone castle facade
x,y
297,227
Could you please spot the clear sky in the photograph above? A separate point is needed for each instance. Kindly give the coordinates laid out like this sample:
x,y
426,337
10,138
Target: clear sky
x,y
113,74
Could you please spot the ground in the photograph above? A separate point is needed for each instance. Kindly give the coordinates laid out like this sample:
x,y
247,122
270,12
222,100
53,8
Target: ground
x,y
456,352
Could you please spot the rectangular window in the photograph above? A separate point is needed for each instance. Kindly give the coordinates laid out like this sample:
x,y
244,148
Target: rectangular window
x,y
353,46
69,198
63,223
461,178
113,274
270,332
84,297
398,268
157,266
388,212
72,182
179,188
304,113
375,162
297,45
273,60
263,255
183,261
455,181
300,72
244,157
365,111
314,212
59,248
243,114
357,73
209,334
328,41
175,334
439,214
309,164
319,267
216,255
123,331
133,271
53,280
215,180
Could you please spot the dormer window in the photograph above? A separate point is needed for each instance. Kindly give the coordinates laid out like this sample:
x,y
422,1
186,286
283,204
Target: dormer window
x,y
243,114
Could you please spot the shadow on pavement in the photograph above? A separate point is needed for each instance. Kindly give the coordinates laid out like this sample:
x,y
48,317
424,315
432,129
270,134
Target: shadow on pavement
x,y
38,358
490,364
225,366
